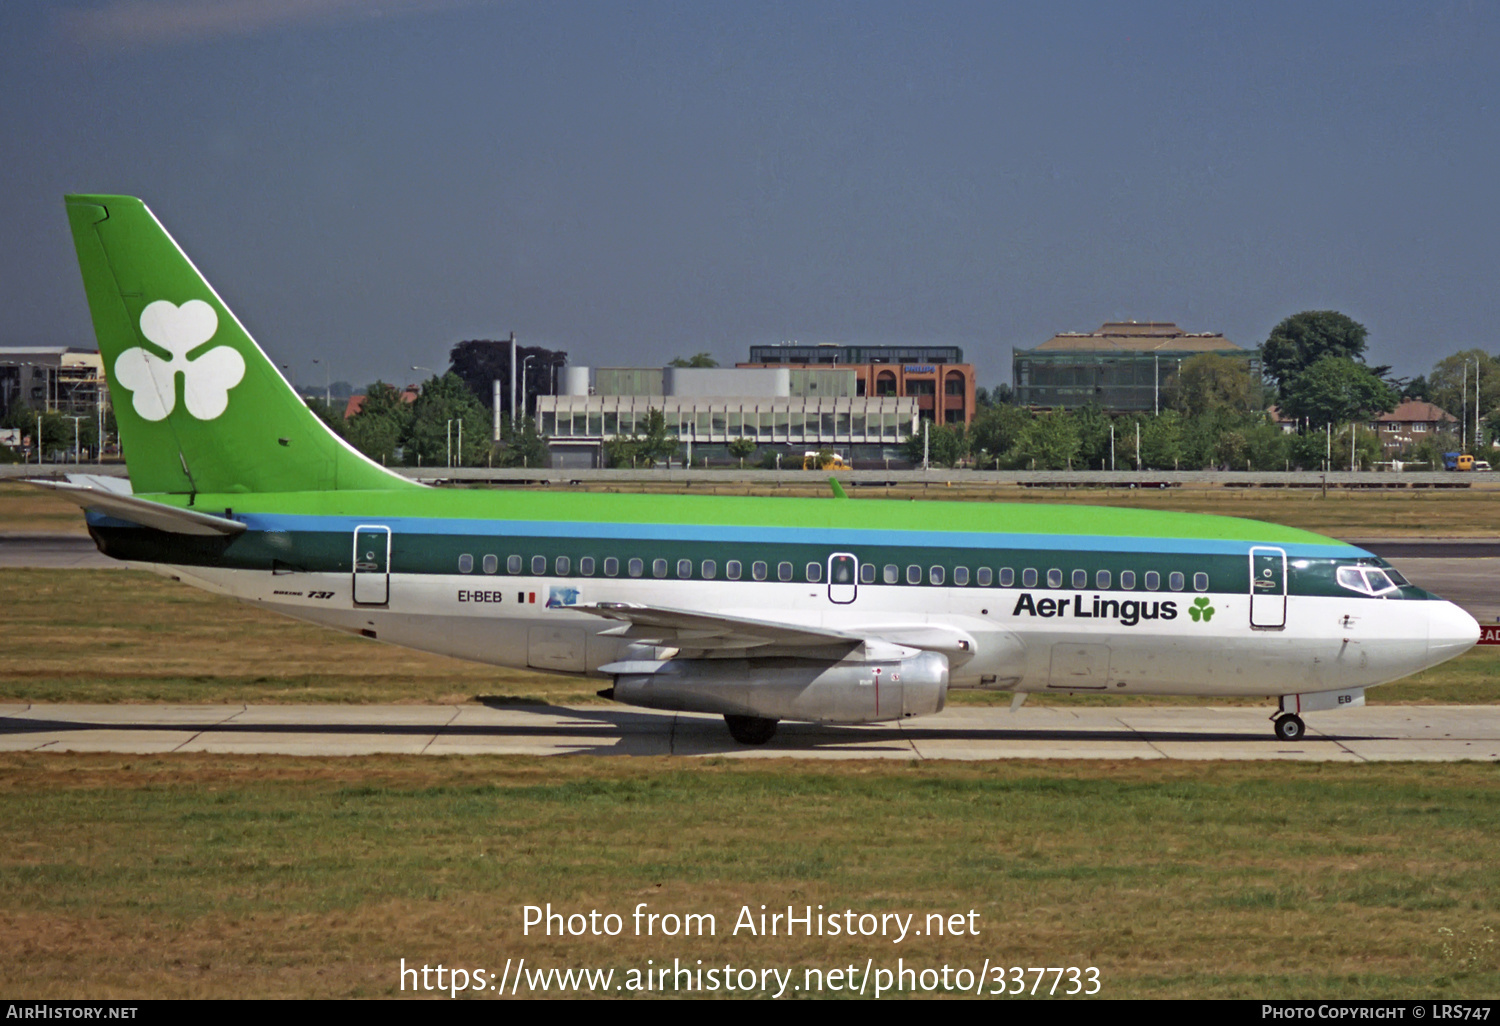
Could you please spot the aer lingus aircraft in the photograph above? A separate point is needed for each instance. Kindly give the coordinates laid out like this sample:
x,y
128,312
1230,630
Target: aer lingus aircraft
x,y
828,610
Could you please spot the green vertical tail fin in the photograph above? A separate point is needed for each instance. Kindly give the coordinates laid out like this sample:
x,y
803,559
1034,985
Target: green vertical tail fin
x,y
200,408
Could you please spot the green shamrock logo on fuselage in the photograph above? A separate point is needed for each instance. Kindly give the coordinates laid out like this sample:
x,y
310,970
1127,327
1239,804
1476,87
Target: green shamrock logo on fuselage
x,y
1200,610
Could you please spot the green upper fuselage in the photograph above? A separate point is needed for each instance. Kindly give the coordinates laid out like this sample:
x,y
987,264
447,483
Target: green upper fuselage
x,y
551,533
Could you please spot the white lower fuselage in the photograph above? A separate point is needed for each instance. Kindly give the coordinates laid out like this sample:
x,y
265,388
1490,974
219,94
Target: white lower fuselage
x,y
1326,644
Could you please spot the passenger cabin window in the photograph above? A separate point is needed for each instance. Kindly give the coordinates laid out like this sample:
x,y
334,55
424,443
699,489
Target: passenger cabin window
x,y
513,564
466,564
1101,580
538,565
586,566
563,565
491,564
1028,578
867,573
913,575
658,568
685,568
1200,582
984,577
891,574
814,572
1080,579
611,566
784,571
758,570
961,576
1127,580
935,575
732,569
1054,578
1153,580
1175,581
636,567
710,569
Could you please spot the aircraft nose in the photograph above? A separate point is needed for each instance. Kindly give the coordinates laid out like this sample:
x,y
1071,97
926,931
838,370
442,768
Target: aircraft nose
x,y
1450,631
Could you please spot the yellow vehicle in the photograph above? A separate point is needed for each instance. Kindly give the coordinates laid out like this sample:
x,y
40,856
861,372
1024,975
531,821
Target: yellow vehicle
x,y
823,460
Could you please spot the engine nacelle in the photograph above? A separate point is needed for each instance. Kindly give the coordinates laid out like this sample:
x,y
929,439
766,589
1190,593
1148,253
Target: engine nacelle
x,y
789,688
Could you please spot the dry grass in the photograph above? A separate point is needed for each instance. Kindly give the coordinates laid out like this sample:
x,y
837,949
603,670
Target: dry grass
x,y
122,635
201,876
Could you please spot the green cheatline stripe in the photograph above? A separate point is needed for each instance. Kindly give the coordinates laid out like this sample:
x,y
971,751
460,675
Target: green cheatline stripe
x,y
441,554
753,511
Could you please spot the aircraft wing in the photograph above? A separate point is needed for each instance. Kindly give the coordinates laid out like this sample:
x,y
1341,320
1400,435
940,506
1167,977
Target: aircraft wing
x,y
715,631
142,511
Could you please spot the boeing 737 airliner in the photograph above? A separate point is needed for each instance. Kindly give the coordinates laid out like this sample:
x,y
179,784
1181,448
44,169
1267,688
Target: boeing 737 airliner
x,y
828,610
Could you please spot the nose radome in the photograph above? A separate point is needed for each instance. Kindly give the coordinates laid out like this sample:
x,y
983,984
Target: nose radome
x,y
1450,632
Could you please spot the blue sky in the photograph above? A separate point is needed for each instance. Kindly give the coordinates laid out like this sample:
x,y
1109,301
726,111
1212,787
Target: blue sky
x,y
368,183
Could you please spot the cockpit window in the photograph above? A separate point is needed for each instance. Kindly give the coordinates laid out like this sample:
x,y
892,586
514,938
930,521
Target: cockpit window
x,y
1368,581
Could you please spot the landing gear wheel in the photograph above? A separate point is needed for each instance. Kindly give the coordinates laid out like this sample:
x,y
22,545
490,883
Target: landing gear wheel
x,y
750,730
1289,727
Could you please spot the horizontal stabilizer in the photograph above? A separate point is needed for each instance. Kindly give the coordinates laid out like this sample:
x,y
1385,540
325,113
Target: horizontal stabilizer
x,y
142,511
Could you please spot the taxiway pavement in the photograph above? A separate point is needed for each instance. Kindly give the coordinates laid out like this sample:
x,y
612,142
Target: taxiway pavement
x,y
1378,733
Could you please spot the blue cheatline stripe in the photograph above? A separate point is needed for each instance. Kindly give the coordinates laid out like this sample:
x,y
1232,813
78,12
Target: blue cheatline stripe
x,y
829,537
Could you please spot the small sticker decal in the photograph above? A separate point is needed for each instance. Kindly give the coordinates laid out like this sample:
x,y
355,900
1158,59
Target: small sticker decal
x,y
559,597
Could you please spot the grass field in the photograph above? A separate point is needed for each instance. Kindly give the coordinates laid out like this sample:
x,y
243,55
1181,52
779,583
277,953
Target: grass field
x,y
270,877
129,636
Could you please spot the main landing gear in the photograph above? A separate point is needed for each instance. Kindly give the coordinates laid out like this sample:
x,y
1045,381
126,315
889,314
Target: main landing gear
x,y
750,730
1289,727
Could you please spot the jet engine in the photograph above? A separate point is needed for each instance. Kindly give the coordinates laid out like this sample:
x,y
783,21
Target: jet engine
x,y
908,682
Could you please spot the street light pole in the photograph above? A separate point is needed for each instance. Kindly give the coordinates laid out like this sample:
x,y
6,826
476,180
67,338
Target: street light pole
x,y
327,388
522,412
75,421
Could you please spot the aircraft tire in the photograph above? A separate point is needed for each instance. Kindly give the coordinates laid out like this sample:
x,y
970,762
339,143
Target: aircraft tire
x,y
750,730
1290,727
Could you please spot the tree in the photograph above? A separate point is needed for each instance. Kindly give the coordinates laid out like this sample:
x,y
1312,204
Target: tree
x,y
380,425
1336,389
1305,338
1046,443
1451,385
1210,382
1367,448
328,414
522,445
479,363
994,431
647,447
1000,395
741,448
696,360
1161,441
433,434
947,445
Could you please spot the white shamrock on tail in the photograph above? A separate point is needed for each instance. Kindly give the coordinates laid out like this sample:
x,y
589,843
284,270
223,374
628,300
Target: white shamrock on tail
x,y
206,381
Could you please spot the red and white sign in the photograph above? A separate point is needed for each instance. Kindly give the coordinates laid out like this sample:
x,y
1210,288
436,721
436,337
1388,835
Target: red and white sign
x,y
1489,635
